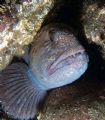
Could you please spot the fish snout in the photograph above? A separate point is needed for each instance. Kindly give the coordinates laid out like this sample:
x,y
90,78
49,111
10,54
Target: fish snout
x,y
68,58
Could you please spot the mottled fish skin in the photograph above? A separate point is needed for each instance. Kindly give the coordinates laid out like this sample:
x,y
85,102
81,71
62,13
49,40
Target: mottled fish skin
x,y
56,59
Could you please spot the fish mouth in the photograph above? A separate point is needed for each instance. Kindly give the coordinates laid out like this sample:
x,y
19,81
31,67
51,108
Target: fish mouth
x,y
68,58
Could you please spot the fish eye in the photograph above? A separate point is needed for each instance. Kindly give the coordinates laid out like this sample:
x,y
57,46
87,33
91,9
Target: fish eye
x,y
52,34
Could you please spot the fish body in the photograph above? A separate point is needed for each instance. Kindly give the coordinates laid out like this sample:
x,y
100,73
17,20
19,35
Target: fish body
x,y
56,59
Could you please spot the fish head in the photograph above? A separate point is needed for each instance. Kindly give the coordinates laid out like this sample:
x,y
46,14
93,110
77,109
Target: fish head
x,y
57,57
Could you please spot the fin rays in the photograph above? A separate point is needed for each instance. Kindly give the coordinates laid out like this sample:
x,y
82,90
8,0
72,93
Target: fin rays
x,y
12,96
19,101
19,96
12,88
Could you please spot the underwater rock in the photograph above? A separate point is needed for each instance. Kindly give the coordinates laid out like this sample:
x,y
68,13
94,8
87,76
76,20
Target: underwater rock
x,y
75,103
94,22
19,23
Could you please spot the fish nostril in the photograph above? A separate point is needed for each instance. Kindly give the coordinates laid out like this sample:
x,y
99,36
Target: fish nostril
x,y
78,53
51,38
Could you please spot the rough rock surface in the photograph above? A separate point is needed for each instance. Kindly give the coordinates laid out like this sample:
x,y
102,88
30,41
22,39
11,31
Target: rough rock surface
x,y
76,103
19,23
94,22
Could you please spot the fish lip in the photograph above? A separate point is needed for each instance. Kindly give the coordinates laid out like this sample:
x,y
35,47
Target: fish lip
x,y
51,68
